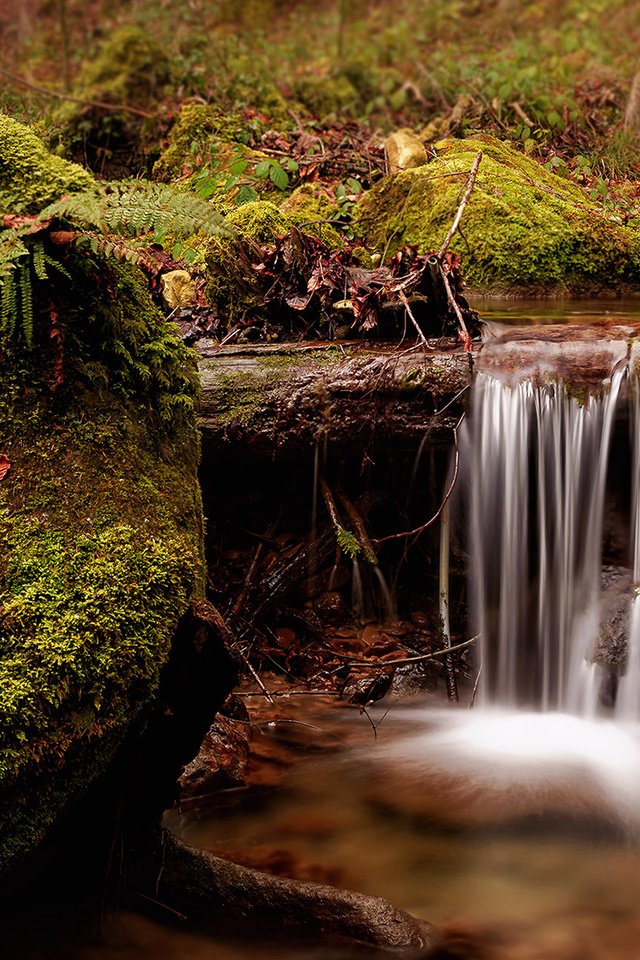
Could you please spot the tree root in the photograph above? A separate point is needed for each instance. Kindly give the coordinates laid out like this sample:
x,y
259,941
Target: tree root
x,y
196,883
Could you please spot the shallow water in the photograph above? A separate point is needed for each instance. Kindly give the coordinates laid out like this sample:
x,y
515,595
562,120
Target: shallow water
x,y
541,311
520,826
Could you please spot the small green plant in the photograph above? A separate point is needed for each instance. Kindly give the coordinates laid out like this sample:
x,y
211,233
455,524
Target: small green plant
x,y
348,543
239,179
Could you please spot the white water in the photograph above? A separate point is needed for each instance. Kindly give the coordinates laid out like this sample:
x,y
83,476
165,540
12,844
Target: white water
x,y
536,464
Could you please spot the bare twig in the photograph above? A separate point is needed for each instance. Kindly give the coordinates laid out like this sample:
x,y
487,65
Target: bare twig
x,y
464,333
421,335
456,220
401,661
452,686
410,533
517,108
475,688
100,104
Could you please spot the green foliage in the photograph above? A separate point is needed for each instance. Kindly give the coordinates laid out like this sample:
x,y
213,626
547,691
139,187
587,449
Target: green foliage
x,y
139,207
348,543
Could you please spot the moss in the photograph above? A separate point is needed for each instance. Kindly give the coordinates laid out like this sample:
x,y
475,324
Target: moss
x,y
524,227
30,177
101,526
311,208
258,222
326,95
241,394
130,69
197,134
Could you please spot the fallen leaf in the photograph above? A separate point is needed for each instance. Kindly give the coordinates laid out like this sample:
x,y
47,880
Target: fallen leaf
x,y
5,465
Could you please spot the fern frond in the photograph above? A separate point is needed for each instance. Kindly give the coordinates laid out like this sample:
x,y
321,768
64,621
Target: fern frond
x,y
348,543
26,303
9,304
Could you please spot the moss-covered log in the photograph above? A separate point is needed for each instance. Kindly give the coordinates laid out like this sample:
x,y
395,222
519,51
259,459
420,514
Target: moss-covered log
x,y
285,397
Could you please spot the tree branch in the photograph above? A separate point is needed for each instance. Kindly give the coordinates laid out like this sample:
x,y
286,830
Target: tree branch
x,y
100,104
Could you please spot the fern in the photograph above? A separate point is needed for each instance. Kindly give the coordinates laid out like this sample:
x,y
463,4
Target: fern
x,y
348,543
137,208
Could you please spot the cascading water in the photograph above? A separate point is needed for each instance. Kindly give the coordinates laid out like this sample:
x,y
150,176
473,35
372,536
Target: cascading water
x,y
628,699
536,461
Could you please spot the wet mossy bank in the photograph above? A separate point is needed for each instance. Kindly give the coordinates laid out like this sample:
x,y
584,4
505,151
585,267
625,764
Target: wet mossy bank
x,y
102,552
100,514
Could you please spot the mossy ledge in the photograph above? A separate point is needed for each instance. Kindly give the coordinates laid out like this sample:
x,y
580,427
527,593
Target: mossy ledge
x,y
101,527
525,229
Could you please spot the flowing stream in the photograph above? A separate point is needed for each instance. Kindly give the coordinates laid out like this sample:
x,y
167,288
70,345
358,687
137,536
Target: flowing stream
x,y
516,823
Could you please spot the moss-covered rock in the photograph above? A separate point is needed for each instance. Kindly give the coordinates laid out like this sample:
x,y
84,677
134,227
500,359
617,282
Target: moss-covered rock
x,y
30,177
311,208
198,134
327,95
101,527
232,285
524,227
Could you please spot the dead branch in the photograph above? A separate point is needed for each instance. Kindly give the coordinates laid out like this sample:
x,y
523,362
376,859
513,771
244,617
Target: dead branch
x,y
517,108
456,221
402,661
464,333
452,686
100,104
359,528
456,467
404,300
330,504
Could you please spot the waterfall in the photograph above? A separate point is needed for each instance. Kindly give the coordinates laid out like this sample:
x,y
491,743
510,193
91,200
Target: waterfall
x,y
535,459
628,699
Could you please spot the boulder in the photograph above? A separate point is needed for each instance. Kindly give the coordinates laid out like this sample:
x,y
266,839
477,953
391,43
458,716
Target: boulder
x,y
525,229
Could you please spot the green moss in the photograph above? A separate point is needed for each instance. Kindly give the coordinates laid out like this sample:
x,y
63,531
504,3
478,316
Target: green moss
x,y
326,95
30,177
524,227
102,532
197,134
232,284
240,395
311,208
130,69
258,222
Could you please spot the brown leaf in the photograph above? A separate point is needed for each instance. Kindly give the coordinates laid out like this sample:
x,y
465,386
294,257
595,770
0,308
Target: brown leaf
x,y
33,225
5,465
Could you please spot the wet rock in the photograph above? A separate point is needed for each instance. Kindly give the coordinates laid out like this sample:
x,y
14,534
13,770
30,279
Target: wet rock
x,y
221,762
615,600
403,151
331,606
198,883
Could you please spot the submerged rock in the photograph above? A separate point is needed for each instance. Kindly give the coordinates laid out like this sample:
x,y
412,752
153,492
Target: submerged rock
x,y
525,228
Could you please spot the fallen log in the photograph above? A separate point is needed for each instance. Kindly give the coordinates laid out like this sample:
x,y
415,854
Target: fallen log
x,y
285,397
203,887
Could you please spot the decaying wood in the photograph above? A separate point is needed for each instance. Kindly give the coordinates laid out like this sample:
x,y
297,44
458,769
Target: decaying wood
x,y
287,397
199,885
